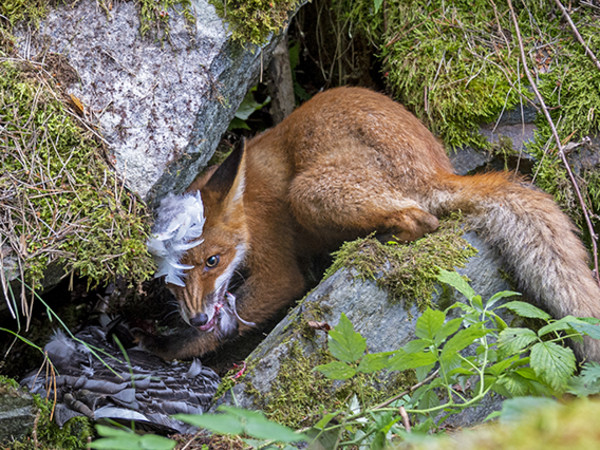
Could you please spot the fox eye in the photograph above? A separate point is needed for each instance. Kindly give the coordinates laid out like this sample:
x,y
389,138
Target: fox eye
x,y
212,261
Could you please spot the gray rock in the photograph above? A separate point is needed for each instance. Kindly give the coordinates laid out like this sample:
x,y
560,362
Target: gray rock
x,y
516,125
162,106
385,325
17,413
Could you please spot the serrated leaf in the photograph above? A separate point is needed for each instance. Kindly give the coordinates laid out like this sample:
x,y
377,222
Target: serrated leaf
x,y
592,331
513,340
447,329
461,340
516,409
429,323
524,309
499,296
325,420
374,362
117,439
217,423
564,324
253,423
588,381
502,365
336,370
457,282
553,363
344,343
416,345
404,361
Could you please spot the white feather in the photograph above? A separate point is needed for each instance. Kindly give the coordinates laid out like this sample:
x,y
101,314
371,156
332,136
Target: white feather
x,y
178,228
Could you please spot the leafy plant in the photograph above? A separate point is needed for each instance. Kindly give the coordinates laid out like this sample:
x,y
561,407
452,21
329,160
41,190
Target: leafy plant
x,y
248,106
459,355
119,438
236,421
458,361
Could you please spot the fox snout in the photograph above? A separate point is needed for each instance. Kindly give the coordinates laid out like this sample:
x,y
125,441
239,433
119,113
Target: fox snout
x,y
198,320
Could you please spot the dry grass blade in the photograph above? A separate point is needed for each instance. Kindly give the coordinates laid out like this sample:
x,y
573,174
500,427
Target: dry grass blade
x,y
58,202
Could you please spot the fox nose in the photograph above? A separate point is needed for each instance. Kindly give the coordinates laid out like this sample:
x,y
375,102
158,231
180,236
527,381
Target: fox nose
x,y
198,320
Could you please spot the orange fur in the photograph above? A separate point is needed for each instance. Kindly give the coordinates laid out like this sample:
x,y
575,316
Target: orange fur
x,y
346,163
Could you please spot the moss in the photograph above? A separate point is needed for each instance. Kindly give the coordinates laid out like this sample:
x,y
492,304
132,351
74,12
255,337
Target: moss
x,y
154,15
457,64
252,22
31,11
553,427
62,201
299,396
407,271
77,433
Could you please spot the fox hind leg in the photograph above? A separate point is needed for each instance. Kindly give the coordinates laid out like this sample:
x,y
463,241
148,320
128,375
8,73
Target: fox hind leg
x,y
346,205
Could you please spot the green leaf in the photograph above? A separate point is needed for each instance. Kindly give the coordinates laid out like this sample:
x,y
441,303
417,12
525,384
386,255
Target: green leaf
x,y
513,340
262,428
377,5
564,324
499,296
502,365
374,362
447,329
217,423
429,323
588,381
336,370
344,343
404,361
457,282
241,421
553,363
524,309
118,439
416,345
516,409
592,331
461,340
324,420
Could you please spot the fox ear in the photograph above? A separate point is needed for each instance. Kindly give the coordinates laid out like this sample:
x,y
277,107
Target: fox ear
x,y
229,180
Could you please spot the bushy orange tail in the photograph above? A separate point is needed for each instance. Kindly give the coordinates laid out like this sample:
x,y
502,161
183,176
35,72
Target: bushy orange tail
x,y
536,239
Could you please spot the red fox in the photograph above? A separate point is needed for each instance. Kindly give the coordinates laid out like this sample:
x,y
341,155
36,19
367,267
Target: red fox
x,y
346,163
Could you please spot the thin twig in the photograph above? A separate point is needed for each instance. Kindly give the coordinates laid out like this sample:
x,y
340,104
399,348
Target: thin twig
x,y
588,51
405,420
559,144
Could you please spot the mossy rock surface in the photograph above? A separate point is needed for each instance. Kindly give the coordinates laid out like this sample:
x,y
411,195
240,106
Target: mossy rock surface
x,y
280,379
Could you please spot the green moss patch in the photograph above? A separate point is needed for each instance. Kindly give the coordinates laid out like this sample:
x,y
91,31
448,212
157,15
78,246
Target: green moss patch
x,y
252,22
407,271
457,65
61,201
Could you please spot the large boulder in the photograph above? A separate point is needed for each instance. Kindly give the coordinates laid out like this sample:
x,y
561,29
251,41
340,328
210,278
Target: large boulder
x,y
162,101
280,376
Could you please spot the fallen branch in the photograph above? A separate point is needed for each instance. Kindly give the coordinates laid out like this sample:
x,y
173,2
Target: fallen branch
x,y
561,152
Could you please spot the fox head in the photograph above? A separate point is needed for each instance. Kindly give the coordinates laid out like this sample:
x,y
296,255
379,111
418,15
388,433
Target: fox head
x,y
207,241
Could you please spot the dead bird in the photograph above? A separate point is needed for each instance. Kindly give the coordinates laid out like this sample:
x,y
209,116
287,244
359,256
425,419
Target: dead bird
x,y
96,379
